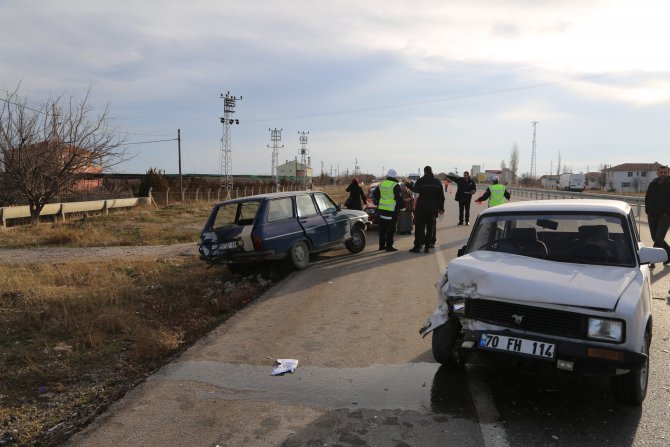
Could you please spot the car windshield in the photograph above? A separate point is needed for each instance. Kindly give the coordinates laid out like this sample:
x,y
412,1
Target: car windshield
x,y
232,214
565,237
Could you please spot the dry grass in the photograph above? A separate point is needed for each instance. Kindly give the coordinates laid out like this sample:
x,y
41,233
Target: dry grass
x,y
77,334
139,226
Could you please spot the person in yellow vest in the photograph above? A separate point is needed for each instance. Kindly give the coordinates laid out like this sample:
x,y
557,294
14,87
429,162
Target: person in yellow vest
x,y
388,198
496,193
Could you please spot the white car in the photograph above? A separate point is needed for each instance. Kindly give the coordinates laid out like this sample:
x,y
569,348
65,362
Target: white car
x,y
560,283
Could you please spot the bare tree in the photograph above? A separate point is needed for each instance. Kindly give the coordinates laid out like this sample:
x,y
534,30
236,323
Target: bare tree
x,y
602,177
514,162
503,165
558,165
7,191
46,150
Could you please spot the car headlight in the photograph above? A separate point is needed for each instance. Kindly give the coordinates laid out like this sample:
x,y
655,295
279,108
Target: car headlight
x,y
608,330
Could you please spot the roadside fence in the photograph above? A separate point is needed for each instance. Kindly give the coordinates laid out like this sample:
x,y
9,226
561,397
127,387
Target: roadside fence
x,y
210,195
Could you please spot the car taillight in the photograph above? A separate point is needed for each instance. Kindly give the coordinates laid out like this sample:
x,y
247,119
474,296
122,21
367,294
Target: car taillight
x,y
258,243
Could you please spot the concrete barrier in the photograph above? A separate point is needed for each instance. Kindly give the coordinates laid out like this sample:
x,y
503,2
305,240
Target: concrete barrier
x,y
61,209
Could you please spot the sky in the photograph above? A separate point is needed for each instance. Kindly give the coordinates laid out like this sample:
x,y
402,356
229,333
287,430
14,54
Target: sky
x,y
378,84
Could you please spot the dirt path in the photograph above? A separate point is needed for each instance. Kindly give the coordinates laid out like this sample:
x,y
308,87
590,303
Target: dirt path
x,y
59,255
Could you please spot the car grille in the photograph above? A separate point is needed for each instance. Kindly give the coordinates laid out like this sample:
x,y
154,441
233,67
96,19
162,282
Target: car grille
x,y
534,319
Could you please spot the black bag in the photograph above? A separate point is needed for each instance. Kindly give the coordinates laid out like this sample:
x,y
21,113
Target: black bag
x,y
347,203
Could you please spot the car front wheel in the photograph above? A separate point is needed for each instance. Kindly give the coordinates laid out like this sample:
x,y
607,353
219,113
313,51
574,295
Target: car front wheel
x,y
357,242
631,388
444,341
300,255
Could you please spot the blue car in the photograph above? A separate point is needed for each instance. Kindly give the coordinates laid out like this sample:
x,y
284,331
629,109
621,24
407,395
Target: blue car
x,y
288,225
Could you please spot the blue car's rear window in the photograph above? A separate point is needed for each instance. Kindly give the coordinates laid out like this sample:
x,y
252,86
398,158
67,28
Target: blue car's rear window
x,y
229,215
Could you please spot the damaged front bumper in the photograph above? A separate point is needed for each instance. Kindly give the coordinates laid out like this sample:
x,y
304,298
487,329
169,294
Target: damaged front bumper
x,y
584,358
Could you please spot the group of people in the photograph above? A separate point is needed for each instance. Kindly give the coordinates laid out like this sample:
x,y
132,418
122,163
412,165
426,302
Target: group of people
x,y
426,199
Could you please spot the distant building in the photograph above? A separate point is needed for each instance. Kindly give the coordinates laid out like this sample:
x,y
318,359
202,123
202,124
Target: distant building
x,y
593,180
475,171
81,165
630,177
294,170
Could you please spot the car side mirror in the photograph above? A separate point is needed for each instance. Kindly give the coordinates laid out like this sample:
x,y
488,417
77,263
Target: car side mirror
x,y
461,251
652,255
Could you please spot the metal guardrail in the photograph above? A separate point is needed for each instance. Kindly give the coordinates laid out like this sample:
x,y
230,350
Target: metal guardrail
x,y
61,209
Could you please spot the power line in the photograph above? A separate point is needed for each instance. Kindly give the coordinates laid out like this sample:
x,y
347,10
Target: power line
x,y
427,101
147,142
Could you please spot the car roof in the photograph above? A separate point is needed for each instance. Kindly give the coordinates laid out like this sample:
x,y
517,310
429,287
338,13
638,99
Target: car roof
x,y
562,205
270,195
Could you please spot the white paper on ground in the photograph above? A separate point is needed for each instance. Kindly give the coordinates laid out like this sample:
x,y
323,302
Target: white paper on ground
x,y
282,366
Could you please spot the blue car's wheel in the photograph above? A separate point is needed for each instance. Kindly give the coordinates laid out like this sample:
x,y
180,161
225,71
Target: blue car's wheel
x,y
300,255
357,242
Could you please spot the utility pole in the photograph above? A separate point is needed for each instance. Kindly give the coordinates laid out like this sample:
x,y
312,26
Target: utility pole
x,y
533,154
275,138
303,156
356,167
225,159
181,183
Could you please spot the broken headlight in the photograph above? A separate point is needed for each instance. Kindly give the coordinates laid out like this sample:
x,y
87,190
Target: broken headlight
x,y
606,330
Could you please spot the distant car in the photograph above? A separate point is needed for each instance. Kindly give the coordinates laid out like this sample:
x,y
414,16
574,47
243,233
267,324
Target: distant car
x,y
559,283
288,225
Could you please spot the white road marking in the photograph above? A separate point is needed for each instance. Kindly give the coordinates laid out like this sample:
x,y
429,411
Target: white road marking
x,y
493,432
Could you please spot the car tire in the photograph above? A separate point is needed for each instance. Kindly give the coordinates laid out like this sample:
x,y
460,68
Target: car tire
x,y
300,255
631,388
357,242
444,341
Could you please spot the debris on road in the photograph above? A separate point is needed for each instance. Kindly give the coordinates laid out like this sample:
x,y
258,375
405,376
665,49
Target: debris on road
x,y
282,366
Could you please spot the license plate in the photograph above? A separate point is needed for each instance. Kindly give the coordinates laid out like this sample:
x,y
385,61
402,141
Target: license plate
x,y
228,245
518,345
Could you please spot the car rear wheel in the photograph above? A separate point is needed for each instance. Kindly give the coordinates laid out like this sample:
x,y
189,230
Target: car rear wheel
x,y
300,255
631,388
444,341
357,242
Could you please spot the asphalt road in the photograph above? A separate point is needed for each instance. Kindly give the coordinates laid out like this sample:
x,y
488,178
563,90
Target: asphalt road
x,y
366,378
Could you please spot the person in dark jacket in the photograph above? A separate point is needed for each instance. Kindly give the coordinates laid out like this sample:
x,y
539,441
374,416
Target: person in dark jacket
x,y
466,188
356,198
388,199
429,194
657,207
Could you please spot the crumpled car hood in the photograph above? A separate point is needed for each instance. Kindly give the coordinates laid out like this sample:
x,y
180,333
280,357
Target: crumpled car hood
x,y
485,274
